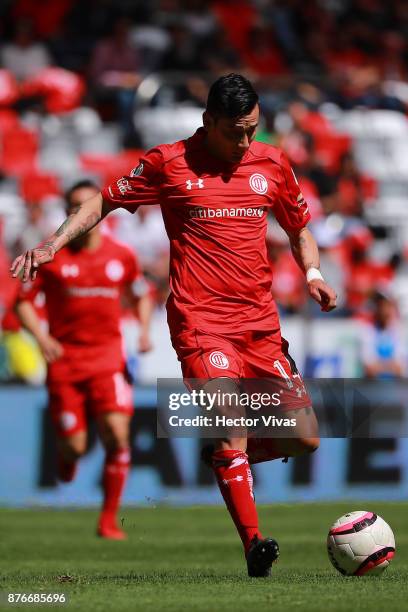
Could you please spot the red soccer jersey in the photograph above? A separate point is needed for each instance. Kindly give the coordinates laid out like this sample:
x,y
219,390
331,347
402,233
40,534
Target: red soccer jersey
x,y
82,290
216,219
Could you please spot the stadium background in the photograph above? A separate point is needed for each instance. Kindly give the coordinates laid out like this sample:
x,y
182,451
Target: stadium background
x,y
87,86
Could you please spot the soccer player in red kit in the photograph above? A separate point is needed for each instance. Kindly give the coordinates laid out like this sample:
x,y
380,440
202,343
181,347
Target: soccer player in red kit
x,y
215,190
83,287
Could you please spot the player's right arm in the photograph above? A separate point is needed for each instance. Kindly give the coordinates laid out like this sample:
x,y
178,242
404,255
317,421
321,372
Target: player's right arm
x,y
50,347
80,221
141,186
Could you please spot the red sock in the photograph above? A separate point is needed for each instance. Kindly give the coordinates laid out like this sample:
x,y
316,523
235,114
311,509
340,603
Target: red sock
x,y
114,478
234,478
66,470
262,449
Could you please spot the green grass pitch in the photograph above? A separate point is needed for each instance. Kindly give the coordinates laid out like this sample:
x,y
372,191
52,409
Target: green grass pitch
x,y
190,559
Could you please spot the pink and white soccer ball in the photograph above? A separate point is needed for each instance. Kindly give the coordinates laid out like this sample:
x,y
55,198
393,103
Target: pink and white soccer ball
x,y
360,543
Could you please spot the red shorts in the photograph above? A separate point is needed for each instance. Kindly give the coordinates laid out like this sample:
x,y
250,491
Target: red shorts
x,y
247,355
72,402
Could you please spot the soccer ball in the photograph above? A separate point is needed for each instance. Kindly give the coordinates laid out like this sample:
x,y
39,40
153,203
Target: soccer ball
x,y
360,543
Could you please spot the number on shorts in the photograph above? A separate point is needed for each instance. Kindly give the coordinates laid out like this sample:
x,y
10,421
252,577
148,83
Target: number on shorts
x,y
277,364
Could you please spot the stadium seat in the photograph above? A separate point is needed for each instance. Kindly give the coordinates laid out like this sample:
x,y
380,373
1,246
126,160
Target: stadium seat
x,y
9,92
36,186
106,140
330,147
19,151
167,124
109,167
8,120
61,89
59,157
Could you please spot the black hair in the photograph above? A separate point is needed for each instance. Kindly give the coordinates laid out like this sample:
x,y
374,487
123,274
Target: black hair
x,y
231,96
82,184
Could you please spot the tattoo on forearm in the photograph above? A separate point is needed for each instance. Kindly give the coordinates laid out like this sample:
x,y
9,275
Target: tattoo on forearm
x,y
48,244
86,225
305,252
64,226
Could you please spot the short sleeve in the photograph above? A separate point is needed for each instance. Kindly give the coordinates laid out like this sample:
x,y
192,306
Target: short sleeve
x,y
141,186
290,209
134,276
30,289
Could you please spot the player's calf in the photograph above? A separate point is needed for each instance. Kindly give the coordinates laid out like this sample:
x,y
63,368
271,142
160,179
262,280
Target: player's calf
x,y
70,450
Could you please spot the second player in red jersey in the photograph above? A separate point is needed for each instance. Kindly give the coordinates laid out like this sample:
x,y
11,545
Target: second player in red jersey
x,y
215,190
84,287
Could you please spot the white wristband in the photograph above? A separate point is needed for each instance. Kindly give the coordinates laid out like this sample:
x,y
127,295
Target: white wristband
x,y
313,274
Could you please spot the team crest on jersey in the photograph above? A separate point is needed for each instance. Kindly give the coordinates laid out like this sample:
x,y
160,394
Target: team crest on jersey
x,y
137,171
68,420
219,360
258,183
114,270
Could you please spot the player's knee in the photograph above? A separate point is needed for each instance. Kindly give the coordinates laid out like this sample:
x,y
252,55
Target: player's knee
x,y
308,445
114,438
73,450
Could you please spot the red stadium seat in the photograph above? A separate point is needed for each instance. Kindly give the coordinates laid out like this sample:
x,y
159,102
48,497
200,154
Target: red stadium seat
x,y
8,120
61,89
36,186
110,167
19,151
330,148
9,91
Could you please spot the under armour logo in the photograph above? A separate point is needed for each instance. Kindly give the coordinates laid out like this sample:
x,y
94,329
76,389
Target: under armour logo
x,y
199,184
69,270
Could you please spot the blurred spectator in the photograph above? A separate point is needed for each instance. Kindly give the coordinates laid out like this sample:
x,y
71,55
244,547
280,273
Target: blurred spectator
x,y
152,42
364,275
237,17
25,56
217,55
182,52
201,22
355,189
115,74
383,351
46,15
262,54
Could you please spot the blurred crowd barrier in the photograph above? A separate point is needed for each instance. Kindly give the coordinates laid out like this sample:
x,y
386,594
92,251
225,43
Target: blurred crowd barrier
x,y
322,348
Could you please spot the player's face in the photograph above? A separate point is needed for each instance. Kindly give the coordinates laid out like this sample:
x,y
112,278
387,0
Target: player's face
x,y
229,139
78,197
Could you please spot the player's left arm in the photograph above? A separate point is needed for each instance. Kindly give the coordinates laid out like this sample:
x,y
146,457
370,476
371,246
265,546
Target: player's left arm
x,y
144,308
306,254
140,299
